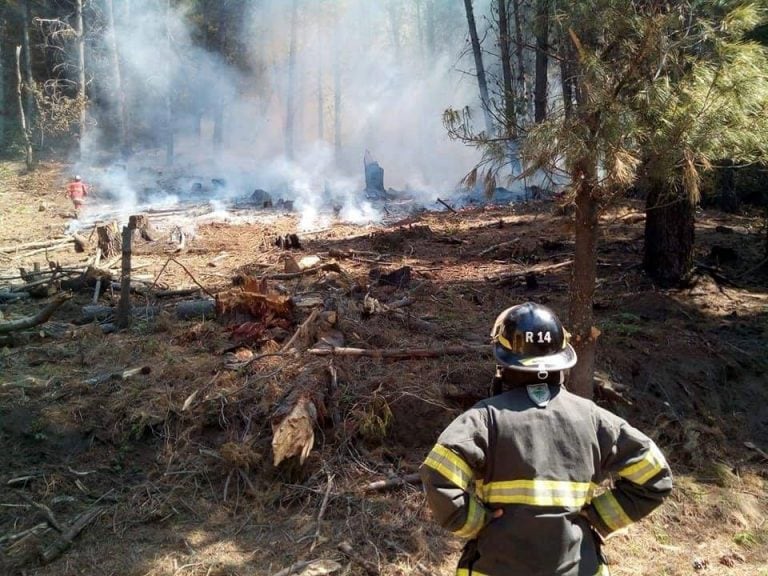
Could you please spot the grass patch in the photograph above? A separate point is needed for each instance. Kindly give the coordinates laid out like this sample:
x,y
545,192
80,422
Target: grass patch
x,y
623,324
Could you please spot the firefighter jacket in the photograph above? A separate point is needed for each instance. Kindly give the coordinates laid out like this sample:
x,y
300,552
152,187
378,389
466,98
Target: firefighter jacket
x,y
539,453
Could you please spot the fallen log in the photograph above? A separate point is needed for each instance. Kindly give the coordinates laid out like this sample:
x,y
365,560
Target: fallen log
x,y
328,267
56,549
402,353
38,318
46,250
122,375
33,245
196,309
499,246
505,278
392,483
13,296
96,312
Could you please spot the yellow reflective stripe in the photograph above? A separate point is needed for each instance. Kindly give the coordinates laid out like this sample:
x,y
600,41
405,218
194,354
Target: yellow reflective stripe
x,y
538,493
466,572
611,512
603,570
646,468
475,520
449,465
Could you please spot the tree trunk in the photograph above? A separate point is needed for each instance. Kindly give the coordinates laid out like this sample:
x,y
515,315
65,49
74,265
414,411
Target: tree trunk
x,y
114,53
728,199
81,92
510,121
337,105
566,77
218,113
431,46
669,235
583,278
123,313
169,128
3,99
394,23
28,79
522,81
290,111
542,64
480,70
22,116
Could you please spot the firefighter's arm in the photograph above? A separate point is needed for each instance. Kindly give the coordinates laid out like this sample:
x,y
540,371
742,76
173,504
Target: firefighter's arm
x,y
644,478
449,473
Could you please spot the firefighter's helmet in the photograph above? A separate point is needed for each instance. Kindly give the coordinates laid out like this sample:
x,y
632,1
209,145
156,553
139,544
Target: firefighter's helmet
x,y
77,178
530,338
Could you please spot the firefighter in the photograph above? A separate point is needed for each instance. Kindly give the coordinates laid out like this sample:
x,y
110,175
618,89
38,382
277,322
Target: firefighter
x,y
77,191
516,475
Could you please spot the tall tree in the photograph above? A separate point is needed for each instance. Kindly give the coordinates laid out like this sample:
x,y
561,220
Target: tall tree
x,y
29,81
479,68
522,77
290,100
510,115
542,63
114,54
22,116
81,87
169,116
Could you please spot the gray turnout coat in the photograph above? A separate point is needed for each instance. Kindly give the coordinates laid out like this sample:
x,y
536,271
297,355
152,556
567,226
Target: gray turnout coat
x,y
539,453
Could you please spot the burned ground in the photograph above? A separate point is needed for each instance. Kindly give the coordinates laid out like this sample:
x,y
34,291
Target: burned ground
x,y
177,461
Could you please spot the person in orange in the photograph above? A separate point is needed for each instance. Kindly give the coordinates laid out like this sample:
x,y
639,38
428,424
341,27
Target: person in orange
x,y
77,191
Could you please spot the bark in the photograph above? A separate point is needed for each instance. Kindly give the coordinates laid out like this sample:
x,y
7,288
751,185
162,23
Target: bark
x,y
169,137
28,79
3,100
22,116
39,318
728,198
480,70
81,91
221,43
566,78
108,239
669,235
522,81
583,279
506,70
114,53
337,105
123,316
290,112
542,64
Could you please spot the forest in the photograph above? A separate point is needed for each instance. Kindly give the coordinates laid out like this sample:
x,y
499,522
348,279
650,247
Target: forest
x,y
251,253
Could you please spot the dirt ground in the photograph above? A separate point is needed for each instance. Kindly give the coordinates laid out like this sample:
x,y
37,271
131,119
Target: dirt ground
x,y
175,463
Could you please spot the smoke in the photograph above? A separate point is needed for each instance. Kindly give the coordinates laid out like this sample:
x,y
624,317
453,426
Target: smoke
x,y
352,75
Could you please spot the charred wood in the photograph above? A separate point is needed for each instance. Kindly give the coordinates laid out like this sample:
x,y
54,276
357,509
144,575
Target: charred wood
x,y
36,319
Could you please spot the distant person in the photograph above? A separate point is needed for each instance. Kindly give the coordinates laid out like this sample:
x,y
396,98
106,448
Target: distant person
x,y
77,191
516,474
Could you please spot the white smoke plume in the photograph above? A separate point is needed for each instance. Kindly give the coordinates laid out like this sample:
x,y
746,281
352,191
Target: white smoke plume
x,y
393,80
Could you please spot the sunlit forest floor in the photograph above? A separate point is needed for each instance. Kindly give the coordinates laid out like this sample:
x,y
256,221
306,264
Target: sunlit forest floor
x,y
176,461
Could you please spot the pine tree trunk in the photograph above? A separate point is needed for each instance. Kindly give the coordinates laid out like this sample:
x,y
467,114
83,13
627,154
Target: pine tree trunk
x,y
583,280
81,90
566,77
522,81
480,70
337,105
22,116
510,119
542,64
3,99
290,112
394,23
430,26
29,81
669,235
728,198
114,53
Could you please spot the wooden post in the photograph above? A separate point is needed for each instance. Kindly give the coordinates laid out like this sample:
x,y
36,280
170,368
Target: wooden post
x,y
123,317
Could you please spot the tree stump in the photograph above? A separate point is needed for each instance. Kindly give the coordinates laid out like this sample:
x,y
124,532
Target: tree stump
x,y
109,239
